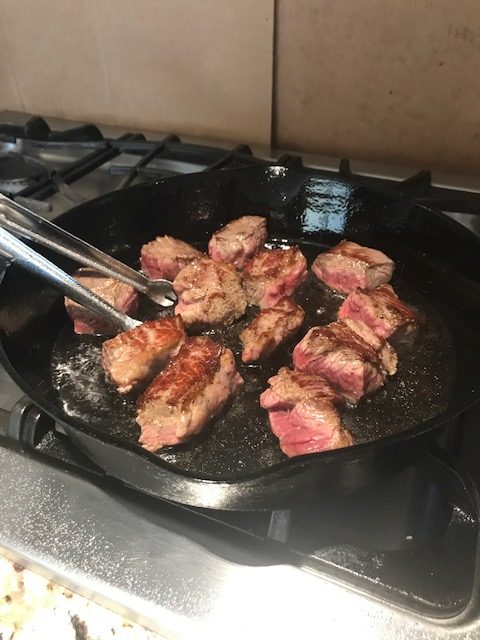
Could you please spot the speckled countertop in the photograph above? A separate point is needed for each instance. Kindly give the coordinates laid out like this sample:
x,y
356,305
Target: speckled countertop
x,y
34,608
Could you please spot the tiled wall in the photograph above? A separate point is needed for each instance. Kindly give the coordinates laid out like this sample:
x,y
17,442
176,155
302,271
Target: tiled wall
x,y
396,81
191,66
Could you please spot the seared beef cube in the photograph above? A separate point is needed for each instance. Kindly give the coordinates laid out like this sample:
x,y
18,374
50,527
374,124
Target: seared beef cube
x,y
270,328
381,310
272,274
237,241
386,353
210,293
136,356
349,266
343,357
193,388
164,257
303,414
298,386
119,295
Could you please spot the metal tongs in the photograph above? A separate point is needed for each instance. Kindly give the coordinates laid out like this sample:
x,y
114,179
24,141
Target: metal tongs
x,y
24,223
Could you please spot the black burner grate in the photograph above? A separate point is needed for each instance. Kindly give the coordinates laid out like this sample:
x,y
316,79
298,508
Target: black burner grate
x,y
172,148
38,129
18,171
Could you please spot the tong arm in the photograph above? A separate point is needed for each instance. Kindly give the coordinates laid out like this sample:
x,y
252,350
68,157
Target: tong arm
x,y
14,249
26,224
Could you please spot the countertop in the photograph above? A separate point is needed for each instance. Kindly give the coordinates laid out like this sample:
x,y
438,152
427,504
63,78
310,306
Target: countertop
x,y
33,608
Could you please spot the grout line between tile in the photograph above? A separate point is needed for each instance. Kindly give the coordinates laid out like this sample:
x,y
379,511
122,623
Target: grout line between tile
x,y
273,109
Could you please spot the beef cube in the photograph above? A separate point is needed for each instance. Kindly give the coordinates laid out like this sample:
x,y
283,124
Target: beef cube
x,y
190,391
237,241
381,310
119,295
271,328
136,356
165,256
298,386
341,356
273,274
209,293
386,353
349,266
302,409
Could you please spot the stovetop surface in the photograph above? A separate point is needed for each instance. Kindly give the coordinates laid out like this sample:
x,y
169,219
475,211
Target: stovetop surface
x,y
187,574
402,556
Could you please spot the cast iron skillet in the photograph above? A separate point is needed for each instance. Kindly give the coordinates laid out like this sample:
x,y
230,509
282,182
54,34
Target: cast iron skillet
x,y
236,463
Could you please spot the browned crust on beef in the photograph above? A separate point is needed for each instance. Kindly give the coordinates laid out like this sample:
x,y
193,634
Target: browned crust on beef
x,y
135,356
299,386
359,252
302,410
209,293
238,240
193,388
165,257
385,295
186,376
381,310
340,333
349,266
271,328
344,358
272,274
386,352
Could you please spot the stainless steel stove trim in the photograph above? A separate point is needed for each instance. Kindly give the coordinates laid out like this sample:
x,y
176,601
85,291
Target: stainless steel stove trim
x,y
82,536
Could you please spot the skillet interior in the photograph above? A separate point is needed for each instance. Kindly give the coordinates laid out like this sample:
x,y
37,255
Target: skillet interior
x,y
239,441
437,261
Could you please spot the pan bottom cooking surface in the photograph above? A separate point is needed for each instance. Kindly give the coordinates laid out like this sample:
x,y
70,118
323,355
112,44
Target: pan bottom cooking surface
x,y
239,441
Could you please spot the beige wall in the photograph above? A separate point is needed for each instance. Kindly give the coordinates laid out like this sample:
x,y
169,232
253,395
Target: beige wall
x,y
190,66
397,81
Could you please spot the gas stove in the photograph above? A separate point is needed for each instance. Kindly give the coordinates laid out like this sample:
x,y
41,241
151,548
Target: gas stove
x,y
398,559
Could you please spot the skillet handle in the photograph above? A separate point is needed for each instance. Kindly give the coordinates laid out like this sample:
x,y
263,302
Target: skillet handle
x,y
454,481
27,224
29,259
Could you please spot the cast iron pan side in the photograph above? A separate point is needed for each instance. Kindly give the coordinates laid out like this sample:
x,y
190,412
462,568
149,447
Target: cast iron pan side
x,y
436,259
